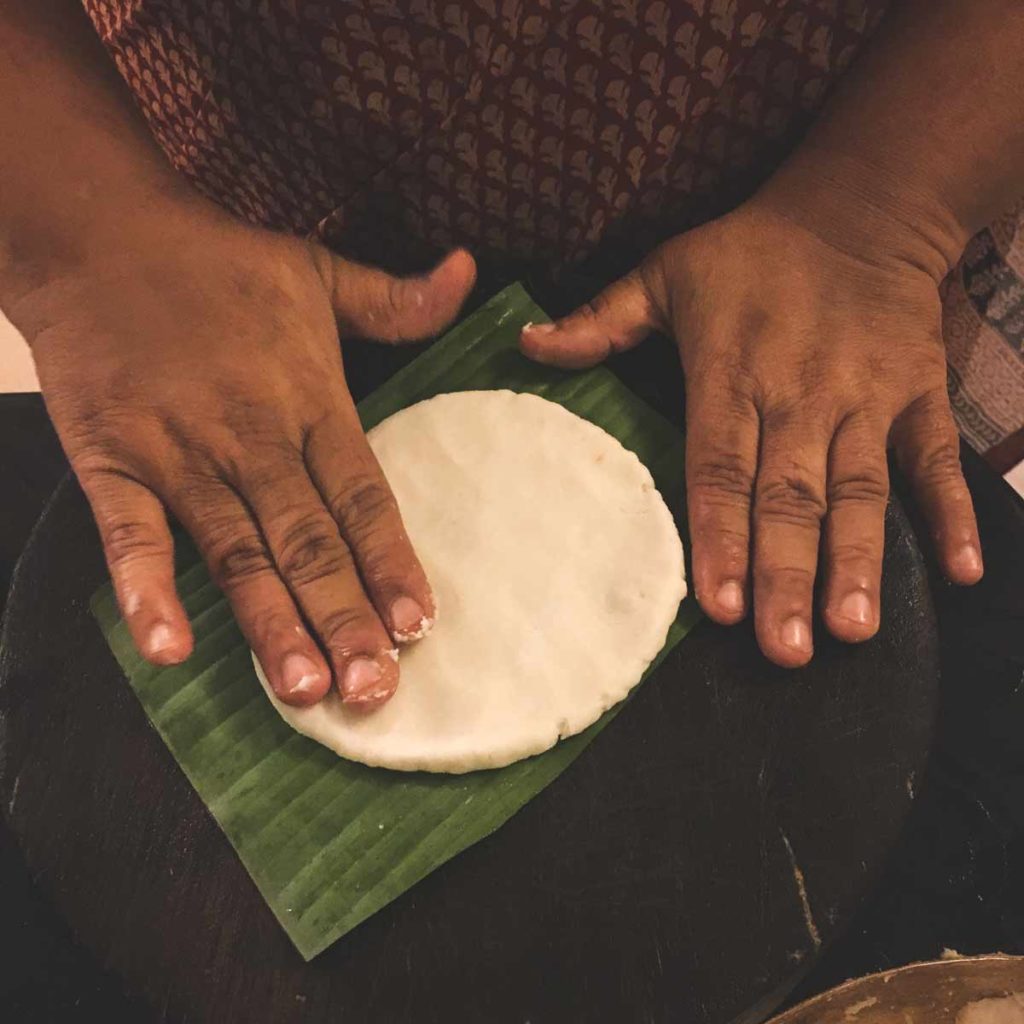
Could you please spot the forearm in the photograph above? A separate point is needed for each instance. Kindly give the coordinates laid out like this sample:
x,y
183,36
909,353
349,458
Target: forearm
x,y
926,131
77,161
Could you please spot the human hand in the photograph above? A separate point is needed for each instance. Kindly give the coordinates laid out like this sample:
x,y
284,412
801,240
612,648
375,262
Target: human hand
x,y
198,369
802,357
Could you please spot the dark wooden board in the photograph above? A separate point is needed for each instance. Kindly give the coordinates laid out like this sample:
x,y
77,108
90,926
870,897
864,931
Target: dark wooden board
x,y
659,879
653,881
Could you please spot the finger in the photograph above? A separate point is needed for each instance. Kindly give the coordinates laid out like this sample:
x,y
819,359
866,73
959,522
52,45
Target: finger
x,y
858,488
266,614
319,571
617,319
140,555
928,451
789,504
362,504
721,463
370,303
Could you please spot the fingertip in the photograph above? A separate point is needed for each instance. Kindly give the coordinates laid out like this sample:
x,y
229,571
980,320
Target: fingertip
x,y
534,331
459,263
165,643
452,279
409,620
852,618
439,296
158,625
784,657
368,681
849,632
730,601
846,630
725,603
301,680
534,338
555,344
789,643
964,565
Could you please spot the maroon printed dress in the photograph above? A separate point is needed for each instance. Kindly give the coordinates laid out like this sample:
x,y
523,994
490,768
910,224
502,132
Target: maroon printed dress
x,y
533,129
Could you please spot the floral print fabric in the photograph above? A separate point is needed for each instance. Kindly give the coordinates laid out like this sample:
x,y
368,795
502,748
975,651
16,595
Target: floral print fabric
x,y
535,129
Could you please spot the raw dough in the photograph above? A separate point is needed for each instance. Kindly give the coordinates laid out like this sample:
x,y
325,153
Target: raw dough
x,y
557,569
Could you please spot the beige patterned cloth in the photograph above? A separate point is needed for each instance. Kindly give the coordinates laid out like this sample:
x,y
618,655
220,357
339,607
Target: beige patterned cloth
x,y
552,130
983,324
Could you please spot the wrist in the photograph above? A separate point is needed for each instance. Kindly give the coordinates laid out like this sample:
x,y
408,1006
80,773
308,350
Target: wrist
x,y
868,211
62,252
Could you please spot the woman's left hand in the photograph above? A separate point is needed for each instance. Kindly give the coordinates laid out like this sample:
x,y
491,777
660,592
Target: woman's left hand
x,y
803,358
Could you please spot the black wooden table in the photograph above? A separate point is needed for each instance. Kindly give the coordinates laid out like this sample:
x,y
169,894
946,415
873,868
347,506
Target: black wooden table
x,y
945,879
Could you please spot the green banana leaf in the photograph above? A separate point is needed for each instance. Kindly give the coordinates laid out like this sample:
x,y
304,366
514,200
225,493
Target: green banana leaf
x,y
328,842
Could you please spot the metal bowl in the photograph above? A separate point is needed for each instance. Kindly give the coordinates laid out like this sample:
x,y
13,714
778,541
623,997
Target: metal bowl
x,y
968,990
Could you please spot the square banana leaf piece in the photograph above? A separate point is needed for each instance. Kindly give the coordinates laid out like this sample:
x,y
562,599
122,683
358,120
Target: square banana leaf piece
x,y
327,841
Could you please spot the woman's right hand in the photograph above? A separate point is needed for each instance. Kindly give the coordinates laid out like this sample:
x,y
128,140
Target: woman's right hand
x,y
194,366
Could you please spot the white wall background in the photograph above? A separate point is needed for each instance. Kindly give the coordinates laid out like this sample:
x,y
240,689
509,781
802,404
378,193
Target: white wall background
x,y
16,370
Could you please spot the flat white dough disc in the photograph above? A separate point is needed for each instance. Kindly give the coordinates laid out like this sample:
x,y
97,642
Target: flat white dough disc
x,y
557,570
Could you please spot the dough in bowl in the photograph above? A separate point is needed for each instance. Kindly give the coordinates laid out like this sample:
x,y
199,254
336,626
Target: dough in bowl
x,y
557,570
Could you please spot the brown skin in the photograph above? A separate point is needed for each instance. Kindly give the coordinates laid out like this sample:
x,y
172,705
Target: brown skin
x,y
808,323
191,364
216,390
786,434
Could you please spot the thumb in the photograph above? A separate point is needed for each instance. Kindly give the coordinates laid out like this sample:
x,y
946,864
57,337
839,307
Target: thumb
x,y
617,319
370,303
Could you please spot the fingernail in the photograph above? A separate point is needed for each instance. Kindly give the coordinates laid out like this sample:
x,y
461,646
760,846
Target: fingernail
x,y
729,597
795,634
408,620
967,561
360,682
856,607
299,673
539,328
160,639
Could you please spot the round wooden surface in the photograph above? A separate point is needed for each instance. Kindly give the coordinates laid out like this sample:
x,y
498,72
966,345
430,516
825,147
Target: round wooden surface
x,y
686,867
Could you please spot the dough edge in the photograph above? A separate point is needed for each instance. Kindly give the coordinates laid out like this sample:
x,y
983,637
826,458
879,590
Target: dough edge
x,y
509,752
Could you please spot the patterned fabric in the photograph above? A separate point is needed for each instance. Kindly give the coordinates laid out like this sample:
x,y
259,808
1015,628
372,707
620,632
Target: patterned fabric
x,y
530,129
983,324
